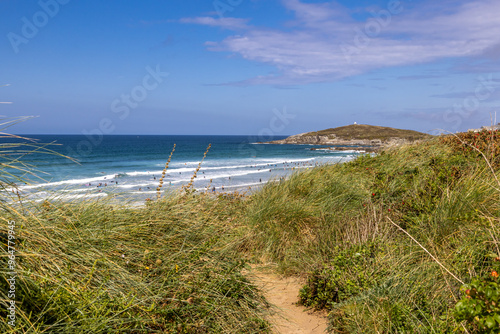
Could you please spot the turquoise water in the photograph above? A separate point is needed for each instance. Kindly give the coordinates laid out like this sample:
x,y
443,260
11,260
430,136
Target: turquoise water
x,y
132,165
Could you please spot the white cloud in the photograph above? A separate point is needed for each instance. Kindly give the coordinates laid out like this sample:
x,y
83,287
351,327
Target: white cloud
x,y
225,22
327,44
312,14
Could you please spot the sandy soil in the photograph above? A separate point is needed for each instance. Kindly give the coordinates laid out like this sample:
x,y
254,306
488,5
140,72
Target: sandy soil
x,y
283,294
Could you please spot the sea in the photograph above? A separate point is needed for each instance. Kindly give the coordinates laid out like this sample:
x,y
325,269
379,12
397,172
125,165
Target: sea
x,y
129,167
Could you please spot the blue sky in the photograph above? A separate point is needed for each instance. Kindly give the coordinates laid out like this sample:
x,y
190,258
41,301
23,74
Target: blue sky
x,y
248,66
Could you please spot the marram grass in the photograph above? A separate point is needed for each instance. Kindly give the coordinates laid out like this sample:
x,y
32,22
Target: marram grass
x,y
324,222
168,267
160,184
378,241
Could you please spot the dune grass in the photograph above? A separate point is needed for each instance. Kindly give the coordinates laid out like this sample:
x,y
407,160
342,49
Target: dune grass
x,y
333,224
384,242
93,268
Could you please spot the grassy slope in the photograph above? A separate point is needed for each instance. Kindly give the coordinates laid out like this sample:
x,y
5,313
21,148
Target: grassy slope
x,y
169,267
177,265
333,224
370,132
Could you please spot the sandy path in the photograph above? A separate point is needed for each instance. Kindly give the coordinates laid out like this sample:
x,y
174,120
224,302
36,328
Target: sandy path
x,y
283,294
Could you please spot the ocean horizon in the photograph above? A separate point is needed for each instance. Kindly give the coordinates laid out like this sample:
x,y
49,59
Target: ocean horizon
x,y
130,166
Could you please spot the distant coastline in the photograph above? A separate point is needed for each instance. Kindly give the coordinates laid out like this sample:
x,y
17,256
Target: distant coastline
x,y
368,138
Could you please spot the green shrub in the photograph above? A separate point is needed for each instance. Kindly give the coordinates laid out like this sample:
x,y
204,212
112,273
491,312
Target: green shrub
x,y
480,305
346,275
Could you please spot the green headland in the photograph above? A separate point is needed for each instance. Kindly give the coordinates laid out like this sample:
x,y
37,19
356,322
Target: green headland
x,y
374,137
